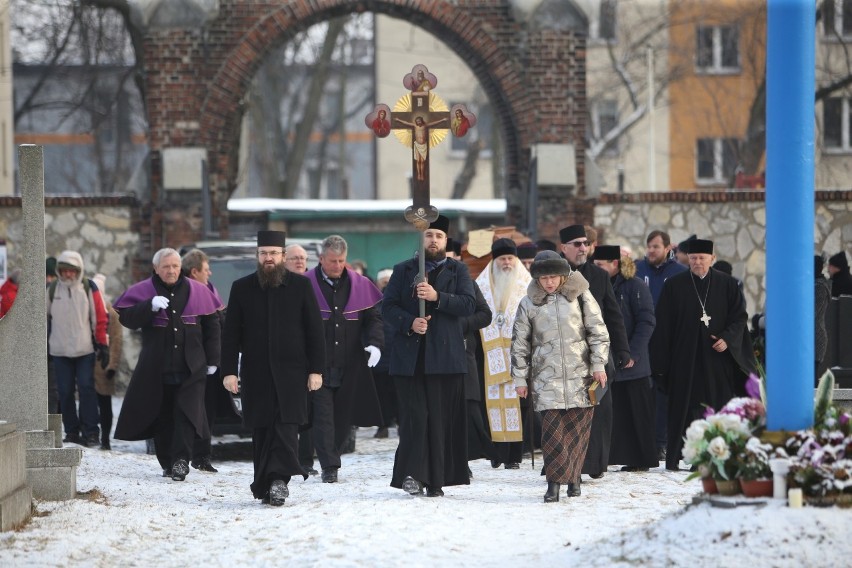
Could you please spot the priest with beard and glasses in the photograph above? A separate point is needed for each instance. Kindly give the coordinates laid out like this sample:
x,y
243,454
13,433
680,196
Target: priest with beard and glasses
x,y
700,350
428,365
273,340
504,283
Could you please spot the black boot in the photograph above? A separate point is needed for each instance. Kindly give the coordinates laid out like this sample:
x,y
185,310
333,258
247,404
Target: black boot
x,y
552,494
573,489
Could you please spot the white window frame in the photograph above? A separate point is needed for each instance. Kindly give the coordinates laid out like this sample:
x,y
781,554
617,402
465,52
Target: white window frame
x,y
718,163
716,67
845,142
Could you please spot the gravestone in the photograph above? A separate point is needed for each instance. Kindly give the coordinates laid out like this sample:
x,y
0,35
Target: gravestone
x,y
51,472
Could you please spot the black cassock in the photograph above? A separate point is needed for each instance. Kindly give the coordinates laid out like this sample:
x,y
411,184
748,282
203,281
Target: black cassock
x,y
597,454
682,354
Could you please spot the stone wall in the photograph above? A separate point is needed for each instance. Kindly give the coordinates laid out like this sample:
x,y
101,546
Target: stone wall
x,y
736,221
104,230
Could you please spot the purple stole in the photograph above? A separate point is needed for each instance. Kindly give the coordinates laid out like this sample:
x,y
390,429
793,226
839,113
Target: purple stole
x,y
201,301
363,294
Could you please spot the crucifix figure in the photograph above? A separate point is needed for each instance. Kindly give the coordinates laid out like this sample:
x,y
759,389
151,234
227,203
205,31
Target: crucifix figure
x,y
416,121
421,120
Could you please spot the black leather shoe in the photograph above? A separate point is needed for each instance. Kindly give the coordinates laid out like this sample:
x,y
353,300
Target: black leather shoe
x,y
597,475
278,492
573,489
329,475
180,470
661,454
552,494
310,470
105,445
204,464
381,433
512,465
412,486
434,492
495,463
167,472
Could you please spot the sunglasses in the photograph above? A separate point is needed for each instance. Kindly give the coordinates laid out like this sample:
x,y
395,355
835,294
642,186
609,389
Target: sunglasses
x,y
578,244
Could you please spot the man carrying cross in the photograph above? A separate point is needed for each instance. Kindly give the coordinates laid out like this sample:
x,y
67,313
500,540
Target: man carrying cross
x,y
428,365
700,351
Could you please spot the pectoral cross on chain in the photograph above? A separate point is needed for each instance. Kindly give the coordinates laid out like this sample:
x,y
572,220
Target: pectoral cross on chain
x,y
705,318
420,120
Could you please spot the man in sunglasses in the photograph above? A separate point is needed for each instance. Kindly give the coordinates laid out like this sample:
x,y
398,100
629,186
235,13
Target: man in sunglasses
x,y
575,249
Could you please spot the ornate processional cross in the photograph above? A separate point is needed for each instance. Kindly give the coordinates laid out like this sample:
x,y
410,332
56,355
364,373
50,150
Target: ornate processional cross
x,y
420,120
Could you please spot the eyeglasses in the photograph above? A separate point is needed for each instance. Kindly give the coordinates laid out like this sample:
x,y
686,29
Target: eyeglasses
x,y
269,253
302,258
579,244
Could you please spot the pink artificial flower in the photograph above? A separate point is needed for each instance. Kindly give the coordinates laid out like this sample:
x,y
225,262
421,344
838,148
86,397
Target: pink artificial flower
x,y
752,386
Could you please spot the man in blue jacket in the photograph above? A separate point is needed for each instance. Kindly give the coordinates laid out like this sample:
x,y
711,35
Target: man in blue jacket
x,y
428,364
658,266
633,407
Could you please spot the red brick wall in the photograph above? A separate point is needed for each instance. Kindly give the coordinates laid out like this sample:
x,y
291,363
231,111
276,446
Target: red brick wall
x,y
535,82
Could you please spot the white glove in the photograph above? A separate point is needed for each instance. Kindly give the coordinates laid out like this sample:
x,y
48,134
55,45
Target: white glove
x,y
159,303
375,355
211,370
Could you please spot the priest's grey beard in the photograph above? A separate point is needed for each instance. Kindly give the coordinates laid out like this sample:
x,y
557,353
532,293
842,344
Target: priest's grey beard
x,y
435,257
271,278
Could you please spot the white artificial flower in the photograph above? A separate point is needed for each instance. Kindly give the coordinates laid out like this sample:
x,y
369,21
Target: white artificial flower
x,y
718,449
696,430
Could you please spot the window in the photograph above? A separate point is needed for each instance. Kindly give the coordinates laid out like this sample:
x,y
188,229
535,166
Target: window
x,y
481,131
837,18
717,49
604,119
606,21
716,159
836,131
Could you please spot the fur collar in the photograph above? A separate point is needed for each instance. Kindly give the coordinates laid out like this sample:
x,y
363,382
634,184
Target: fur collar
x,y
575,284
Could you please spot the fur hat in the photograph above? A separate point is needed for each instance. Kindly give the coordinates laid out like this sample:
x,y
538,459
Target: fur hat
x,y
527,250
548,263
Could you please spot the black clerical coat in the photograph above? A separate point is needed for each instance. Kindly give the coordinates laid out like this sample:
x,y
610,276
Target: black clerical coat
x,y
199,340
279,333
682,356
473,384
597,454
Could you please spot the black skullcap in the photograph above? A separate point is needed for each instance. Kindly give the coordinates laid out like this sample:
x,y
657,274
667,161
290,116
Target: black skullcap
x,y
572,232
700,246
502,247
271,238
839,260
724,266
527,250
549,263
607,252
544,244
454,246
683,246
819,263
441,224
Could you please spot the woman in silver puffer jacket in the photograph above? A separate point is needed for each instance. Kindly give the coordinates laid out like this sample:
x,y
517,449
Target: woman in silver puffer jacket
x,y
560,344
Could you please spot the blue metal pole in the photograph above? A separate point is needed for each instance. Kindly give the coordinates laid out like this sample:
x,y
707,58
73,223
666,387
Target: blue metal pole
x,y
790,213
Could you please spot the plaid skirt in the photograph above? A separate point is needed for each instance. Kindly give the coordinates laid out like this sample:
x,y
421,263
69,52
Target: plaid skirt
x,y
564,440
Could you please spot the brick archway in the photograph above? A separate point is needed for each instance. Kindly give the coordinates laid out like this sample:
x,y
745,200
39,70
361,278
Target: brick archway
x,y
534,79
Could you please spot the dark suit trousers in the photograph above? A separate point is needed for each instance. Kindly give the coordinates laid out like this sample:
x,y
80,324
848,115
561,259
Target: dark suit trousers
x,y
174,430
324,435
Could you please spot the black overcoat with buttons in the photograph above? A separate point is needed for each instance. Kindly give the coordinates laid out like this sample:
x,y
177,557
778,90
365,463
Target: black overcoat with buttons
x,y
279,333
197,345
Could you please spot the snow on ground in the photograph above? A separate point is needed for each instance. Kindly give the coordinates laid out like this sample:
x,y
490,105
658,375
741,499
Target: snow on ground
x,y
127,514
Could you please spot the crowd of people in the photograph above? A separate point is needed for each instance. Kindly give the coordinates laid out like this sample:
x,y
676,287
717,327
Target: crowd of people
x,y
572,348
